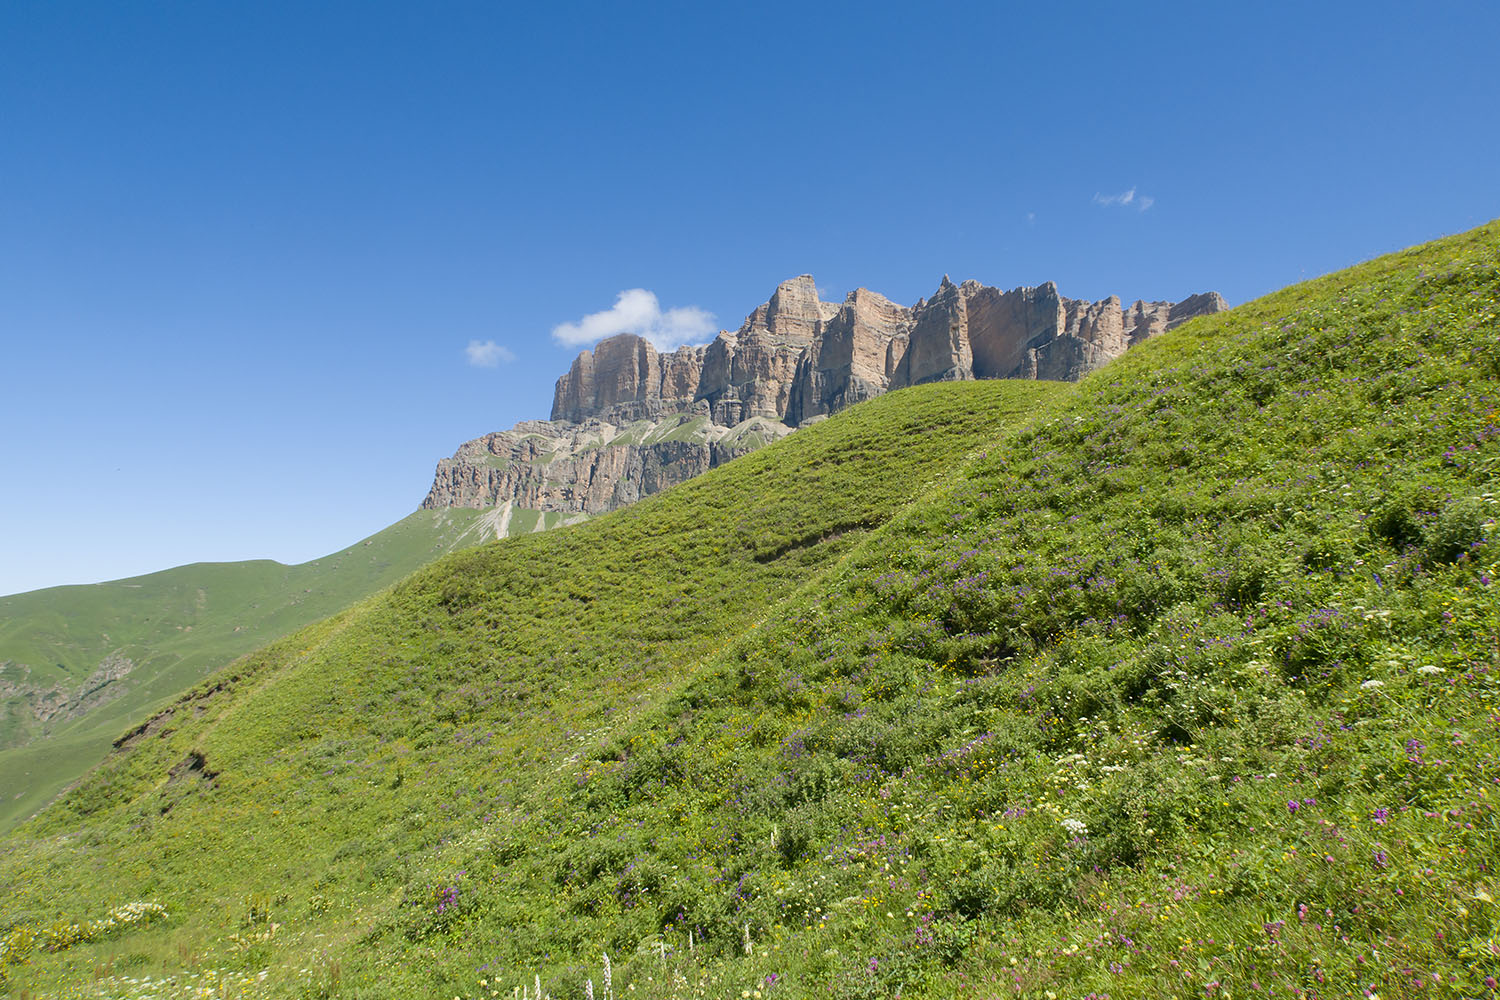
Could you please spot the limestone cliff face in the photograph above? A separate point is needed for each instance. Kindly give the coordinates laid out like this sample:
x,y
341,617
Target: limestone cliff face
x,y
974,331
796,357
624,378
743,374
590,467
629,421
851,358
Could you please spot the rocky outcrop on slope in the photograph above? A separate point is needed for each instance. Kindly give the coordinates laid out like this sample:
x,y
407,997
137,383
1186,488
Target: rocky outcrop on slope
x,y
29,704
590,467
629,420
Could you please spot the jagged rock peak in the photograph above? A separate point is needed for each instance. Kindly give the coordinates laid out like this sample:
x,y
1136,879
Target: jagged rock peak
x,y
796,357
629,420
792,314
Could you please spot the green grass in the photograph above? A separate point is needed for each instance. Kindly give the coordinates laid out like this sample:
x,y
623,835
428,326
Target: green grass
x,y
175,626
1177,682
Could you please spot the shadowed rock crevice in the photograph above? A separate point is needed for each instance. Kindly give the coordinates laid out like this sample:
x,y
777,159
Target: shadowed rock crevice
x,y
193,767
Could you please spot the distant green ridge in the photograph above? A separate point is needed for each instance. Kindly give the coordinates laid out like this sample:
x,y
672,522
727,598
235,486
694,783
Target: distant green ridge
x,y
174,626
1179,681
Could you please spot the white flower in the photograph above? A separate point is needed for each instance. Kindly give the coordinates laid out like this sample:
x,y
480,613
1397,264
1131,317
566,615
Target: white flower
x,y
1371,685
1429,669
1076,827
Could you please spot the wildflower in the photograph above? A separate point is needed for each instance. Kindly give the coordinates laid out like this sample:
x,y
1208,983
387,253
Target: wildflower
x,y
1379,815
1076,827
1291,805
1429,669
1371,685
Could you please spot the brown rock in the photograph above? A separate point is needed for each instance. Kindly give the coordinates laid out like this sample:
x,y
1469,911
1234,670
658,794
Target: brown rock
x,y
851,360
938,348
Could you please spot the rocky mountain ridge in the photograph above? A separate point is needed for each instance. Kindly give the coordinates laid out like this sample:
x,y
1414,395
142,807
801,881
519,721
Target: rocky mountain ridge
x,y
629,420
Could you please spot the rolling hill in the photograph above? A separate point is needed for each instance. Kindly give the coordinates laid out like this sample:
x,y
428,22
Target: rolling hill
x,y
81,664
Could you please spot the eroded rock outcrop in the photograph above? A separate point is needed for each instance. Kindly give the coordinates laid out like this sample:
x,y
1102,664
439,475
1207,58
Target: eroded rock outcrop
x,y
590,467
629,420
31,704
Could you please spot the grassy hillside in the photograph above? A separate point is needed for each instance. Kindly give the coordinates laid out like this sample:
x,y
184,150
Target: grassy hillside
x,y
577,632
1177,682
172,627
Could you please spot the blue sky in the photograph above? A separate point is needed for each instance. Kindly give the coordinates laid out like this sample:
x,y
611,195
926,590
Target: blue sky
x,y
245,247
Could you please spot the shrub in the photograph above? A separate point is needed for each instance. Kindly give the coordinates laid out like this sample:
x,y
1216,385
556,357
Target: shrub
x,y
1458,527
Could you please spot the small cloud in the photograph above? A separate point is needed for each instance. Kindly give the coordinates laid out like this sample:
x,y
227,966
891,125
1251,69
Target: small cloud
x,y
637,311
1031,218
488,354
1140,202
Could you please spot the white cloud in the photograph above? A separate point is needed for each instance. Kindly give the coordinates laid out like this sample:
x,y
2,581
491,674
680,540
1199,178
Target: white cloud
x,y
488,354
637,311
1140,202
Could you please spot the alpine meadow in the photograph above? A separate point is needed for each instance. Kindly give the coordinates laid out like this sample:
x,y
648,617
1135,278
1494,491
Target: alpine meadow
x,y
1176,681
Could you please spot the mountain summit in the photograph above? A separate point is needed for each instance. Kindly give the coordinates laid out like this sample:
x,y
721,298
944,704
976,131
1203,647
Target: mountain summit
x,y
629,420
796,358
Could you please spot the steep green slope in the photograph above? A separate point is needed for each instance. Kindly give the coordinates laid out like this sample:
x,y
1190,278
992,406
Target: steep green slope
x,y
329,760
1181,683
61,703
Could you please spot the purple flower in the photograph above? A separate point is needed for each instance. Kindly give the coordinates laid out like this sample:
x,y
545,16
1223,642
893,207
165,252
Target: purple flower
x,y
1291,805
1379,815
